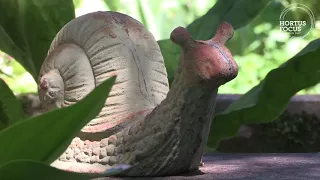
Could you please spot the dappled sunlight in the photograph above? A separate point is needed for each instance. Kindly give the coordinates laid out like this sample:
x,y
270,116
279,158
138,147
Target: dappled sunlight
x,y
221,168
159,17
260,166
275,48
88,6
17,78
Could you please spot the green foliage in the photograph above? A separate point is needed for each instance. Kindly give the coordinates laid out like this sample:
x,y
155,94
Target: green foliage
x,y
244,11
52,131
26,169
28,27
10,107
260,47
205,27
266,101
44,138
16,77
114,5
170,53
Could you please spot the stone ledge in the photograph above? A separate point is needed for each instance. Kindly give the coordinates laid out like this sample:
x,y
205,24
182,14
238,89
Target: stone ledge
x,y
286,166
302,114
309,104
296,130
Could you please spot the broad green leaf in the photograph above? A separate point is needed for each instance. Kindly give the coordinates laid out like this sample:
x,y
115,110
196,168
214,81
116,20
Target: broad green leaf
x,y
45,137
26,170
205,27
114,5
244,11
10,108
266,101
28,27
7,75
237,12
170,53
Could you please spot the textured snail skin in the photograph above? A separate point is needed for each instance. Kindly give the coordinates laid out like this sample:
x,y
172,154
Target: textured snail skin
x,y
143,124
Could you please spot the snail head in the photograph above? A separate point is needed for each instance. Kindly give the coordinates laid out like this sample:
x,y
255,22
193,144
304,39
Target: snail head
x,y
206,63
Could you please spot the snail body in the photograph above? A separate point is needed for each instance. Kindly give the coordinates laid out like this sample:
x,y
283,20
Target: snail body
x,y
143,124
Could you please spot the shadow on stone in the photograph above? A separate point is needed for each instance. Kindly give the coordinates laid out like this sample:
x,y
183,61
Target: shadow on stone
x,y
254,166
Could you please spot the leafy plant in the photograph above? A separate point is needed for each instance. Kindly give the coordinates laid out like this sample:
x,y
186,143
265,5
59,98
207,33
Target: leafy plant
x,y
27,169
40,140
266,101
10,107
238,13
228,123
27,29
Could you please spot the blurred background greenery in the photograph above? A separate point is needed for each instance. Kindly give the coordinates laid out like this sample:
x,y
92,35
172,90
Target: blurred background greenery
x,y
258,47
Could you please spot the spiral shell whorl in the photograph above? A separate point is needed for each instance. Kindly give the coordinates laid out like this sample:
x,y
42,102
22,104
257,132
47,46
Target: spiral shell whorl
x,y
57,78
96,46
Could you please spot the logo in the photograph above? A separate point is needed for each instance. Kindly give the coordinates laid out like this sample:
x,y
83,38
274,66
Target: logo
x,y
297,28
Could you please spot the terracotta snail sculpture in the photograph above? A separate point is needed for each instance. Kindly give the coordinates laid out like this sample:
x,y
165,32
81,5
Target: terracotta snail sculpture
x,y
144,124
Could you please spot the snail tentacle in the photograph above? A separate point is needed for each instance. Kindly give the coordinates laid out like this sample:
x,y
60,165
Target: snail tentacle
x,y
97,46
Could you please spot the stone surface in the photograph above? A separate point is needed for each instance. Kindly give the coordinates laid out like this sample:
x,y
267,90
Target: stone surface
x,y
298,104
296,130
299,133
295,166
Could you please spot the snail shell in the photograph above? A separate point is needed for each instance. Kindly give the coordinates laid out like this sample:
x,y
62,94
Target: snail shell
x,y
95,47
